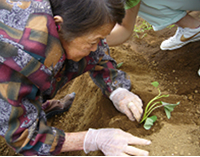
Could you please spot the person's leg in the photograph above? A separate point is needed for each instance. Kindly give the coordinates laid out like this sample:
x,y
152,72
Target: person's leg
x,y
188,21
163,13
159,14
188,31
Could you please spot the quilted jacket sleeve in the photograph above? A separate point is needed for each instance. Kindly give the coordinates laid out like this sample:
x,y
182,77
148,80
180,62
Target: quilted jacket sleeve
x,y
106,75
22,120
29,48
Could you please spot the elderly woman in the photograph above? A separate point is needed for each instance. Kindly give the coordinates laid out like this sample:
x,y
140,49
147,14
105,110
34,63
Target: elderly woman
x,y
45,44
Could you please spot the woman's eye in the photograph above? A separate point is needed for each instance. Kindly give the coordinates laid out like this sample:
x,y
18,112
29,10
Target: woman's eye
x,y
93,43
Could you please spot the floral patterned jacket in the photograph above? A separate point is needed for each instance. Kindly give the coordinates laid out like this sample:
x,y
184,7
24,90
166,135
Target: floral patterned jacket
x,y
33,67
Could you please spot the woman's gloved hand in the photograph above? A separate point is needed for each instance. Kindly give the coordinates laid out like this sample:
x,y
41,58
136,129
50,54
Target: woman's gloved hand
x,y
114,142
127,103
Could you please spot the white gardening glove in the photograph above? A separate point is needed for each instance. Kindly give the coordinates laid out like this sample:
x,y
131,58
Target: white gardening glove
x,y
127,103
114,142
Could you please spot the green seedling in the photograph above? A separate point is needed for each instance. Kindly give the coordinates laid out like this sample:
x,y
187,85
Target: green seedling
x,y
170,26
119,65
144,26
154,104
149,122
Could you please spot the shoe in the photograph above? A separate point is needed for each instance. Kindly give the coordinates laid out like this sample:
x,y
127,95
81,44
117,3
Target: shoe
x,y
198,72
55,107
182,37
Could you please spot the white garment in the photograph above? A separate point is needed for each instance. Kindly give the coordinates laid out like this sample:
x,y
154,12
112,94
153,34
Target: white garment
x,y
161,13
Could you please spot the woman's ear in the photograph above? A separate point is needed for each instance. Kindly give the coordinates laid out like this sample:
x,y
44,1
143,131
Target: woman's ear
x,y
58,20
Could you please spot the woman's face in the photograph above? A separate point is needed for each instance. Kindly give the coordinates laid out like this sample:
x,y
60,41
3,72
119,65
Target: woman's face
x,y
82,46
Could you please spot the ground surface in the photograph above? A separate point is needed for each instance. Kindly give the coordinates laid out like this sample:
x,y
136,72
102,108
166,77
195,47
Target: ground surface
x,y
176,71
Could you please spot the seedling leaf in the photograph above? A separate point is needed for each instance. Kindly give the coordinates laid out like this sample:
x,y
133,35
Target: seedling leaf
x,y
154,118
149,122
155,104
120,64
155,84
169,108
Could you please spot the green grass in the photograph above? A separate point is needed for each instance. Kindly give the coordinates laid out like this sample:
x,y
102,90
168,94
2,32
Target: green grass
x,y
170,26
140,29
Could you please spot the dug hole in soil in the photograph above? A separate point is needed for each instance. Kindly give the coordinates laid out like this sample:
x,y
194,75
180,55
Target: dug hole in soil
x,y
144,62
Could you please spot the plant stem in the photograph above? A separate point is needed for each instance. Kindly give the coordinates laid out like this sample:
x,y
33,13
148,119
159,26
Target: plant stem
x,y
156,102
149,108
153,109
144,118
155,98
153,106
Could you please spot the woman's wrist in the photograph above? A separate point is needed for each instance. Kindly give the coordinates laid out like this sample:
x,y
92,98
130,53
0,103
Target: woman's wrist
x,y
73,141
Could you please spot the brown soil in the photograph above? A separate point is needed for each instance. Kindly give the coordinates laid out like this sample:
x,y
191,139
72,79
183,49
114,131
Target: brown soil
x,y
176,71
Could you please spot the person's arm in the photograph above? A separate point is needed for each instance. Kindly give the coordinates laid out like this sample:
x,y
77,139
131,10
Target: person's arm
x,y
73,141
121,33
112,142
115,84
105,74
22,121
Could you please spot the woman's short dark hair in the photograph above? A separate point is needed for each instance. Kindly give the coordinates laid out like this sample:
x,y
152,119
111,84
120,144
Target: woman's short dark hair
x,y
83,16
